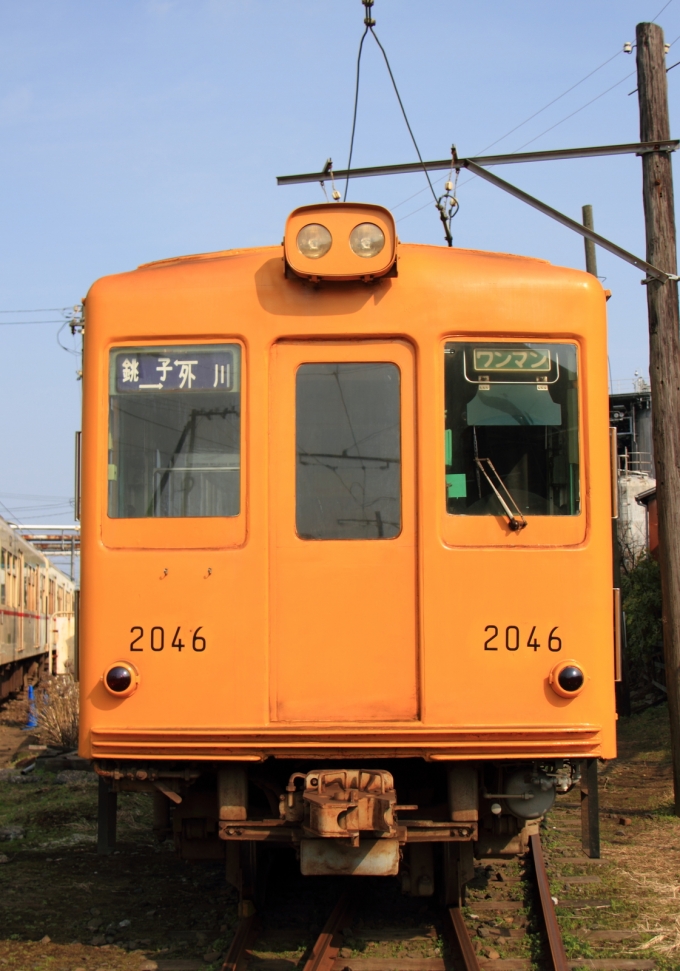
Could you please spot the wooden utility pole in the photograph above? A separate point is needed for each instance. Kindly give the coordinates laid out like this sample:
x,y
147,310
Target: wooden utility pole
x,y
622,686
664,354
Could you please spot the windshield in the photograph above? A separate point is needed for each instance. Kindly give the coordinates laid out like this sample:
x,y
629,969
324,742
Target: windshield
x,y
348,451
174,431
511,415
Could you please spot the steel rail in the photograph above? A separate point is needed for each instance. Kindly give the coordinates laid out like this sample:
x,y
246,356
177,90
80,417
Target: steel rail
x,y
464,940
237,953
558,955
595,151
325,950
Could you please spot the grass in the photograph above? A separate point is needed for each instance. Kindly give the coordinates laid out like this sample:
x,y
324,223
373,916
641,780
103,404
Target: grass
x,y
642,874
55,885
54,880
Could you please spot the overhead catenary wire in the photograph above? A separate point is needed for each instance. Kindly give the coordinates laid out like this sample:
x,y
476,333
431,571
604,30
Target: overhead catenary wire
x,y
566,118
68,315
29,323
8,510
571,114
370,24
549,104
656,16
31,495
536,113
356,104
520,125
40,310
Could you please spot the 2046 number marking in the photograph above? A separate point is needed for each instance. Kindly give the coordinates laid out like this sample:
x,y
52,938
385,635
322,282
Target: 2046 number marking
x,y
512,639
157,639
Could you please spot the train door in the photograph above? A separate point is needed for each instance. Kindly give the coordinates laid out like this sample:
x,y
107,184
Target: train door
x,y
344,629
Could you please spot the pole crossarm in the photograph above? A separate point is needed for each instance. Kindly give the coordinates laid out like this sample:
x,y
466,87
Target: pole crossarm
x,y
652,271
633,148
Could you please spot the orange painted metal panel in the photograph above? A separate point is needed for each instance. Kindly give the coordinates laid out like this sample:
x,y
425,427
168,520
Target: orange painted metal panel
x,y
340,262
336,626
430,690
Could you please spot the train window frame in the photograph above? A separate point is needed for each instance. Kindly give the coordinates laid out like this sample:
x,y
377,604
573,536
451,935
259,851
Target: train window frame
x,y
491,531
302,508
172,532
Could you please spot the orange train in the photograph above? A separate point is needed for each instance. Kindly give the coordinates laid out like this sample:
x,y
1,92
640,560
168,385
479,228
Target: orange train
x,y
346,547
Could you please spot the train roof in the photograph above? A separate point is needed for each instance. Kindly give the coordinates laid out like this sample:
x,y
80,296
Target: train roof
x,y
10,538
418,264
253,251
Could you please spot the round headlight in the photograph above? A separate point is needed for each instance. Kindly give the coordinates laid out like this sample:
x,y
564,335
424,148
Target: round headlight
x,y
570,678
366,240
314,241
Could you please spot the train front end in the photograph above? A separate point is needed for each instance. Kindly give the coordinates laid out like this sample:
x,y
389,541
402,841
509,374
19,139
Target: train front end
x,y
346,540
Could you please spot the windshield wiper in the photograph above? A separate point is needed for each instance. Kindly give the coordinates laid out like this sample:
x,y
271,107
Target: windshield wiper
x,y
516,520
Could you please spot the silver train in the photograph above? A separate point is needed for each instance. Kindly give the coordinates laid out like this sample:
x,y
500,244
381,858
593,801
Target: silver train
x,y
37,614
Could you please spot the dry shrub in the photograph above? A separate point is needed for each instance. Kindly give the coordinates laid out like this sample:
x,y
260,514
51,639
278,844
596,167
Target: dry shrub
x,y
650,868
57,709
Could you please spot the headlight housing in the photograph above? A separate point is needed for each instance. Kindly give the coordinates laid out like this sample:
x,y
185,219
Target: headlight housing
x,y
567,679
340,241
121,679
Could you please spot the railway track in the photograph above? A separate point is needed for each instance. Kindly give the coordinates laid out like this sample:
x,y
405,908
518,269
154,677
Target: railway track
x,y
512,927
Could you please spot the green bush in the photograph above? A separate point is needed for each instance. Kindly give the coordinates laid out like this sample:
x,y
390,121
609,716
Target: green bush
x,y
641,596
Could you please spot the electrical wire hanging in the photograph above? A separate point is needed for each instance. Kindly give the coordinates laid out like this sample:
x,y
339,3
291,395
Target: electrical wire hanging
x,y
541,110
517,127
520,147
356,105
447,206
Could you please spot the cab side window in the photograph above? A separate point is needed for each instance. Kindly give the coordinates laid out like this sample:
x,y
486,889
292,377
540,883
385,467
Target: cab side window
x,y
511,429
174,431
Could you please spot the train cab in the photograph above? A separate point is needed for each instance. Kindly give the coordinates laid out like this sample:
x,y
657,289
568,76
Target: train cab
x,y
346,547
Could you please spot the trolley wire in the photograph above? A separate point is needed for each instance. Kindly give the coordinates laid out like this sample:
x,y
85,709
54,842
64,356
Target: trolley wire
x,y
571,115
42,505
356,105
70,317
29,323
370,24
656,16
540,111
550,103
68,314
557,123
38,310
526,121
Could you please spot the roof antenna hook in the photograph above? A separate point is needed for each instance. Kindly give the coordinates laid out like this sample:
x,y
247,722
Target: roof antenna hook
x,y
447,204
328,170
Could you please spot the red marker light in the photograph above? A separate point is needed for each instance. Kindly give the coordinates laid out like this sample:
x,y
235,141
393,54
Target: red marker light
x,y
121,679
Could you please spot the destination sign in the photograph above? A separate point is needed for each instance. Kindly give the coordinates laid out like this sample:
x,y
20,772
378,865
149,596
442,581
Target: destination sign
x,y
175,369
489,358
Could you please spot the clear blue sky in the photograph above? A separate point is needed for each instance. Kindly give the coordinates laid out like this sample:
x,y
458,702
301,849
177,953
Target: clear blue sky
x,y
133,130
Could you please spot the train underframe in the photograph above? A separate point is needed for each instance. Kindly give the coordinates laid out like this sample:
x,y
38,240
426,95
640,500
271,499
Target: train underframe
x,y
17,675
410,818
